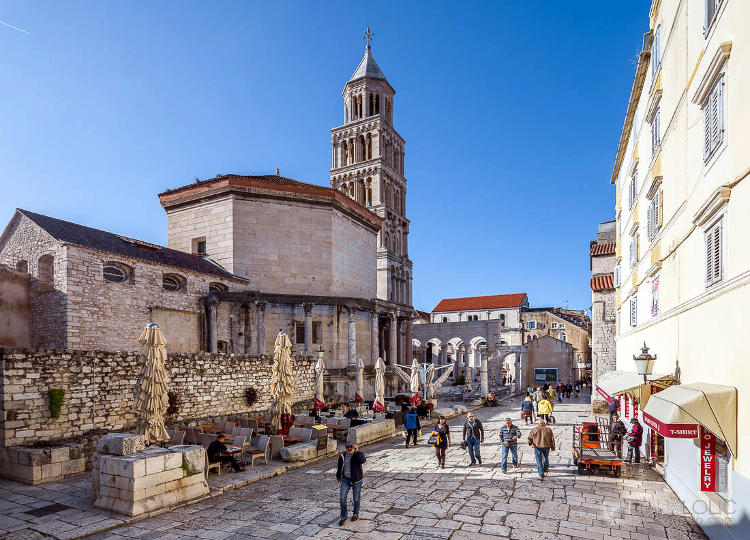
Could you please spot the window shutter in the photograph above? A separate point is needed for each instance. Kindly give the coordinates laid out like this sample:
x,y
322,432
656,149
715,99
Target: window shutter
x,y
707,130
717,252
649,222
709,258
659,209
715,134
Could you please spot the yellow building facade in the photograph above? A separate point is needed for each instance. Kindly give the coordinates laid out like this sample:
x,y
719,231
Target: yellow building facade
x,y
683,270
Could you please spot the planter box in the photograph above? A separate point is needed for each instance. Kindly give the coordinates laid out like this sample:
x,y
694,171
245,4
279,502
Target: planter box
x,y
39,465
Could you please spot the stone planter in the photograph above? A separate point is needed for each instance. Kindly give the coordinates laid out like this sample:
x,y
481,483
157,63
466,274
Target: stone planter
x,y
38,465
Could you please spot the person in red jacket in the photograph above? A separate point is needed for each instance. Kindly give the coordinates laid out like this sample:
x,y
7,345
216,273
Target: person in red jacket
x,y
634,438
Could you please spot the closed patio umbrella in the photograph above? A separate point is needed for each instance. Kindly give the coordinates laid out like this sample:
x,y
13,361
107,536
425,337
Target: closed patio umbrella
x,y
360,381
320,367
282,379
151,400
414,382
379,403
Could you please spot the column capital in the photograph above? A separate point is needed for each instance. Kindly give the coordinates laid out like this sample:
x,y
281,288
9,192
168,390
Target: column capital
x,y
261,304
351,311
308,308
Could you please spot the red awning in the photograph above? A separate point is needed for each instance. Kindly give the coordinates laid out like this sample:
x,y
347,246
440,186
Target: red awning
x,y
673,431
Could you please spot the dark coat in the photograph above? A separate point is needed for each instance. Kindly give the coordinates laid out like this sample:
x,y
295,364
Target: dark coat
x,y
358,458
476,432
618,428
214,450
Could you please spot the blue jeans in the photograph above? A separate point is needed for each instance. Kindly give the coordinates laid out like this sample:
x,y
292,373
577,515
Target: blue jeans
x,y
356,488
514,451
542,460
473,445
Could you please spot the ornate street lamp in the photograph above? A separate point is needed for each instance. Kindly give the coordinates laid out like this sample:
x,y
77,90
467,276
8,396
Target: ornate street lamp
x,y
644,363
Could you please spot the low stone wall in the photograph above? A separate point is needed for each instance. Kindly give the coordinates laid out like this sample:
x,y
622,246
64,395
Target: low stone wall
x,y
371,432
39,465
99,390
307,451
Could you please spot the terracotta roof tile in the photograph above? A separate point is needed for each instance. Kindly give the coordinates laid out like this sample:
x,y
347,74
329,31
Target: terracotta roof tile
x,y
603,282
604,248
481,302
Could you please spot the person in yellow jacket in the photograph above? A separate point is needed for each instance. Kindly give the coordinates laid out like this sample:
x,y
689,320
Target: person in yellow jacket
x,y
545,409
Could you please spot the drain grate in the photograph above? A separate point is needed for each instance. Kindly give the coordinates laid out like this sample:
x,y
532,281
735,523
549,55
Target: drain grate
x,y
47,510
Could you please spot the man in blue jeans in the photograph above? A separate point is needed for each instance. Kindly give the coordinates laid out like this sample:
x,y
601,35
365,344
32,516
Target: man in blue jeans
x,y
509,442
473,435
349,474
542,440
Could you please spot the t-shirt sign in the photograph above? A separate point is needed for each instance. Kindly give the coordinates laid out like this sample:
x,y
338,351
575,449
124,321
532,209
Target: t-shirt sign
x,y
708,460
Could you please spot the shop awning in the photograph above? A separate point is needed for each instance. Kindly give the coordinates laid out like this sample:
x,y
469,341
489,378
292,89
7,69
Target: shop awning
x,y
622,382
677,411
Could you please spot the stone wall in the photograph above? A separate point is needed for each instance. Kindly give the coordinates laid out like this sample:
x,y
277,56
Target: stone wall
x,y
99,389
603,336
15,317
550,353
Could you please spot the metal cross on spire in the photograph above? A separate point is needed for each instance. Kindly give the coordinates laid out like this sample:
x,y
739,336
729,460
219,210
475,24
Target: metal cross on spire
x,y
368,36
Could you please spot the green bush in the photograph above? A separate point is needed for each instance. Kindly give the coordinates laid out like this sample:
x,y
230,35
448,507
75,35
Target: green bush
x,y
56,396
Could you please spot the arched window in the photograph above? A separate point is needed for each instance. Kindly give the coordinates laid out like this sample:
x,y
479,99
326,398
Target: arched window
x,y
173,282
115,272
445,319
562,336
217,287
377,103
502,320
46,268
372,104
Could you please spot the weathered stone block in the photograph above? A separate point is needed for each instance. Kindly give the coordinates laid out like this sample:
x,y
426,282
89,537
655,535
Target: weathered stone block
x,y
172,461
60,454
193,455
168,476
154,465
372,431
120,444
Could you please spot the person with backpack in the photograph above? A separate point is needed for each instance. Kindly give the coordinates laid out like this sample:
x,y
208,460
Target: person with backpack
x,y
411,423
544,409
473,435
509,435
440,438
349,475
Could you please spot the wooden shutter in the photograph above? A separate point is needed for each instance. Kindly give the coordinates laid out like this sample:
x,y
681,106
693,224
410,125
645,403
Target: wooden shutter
x,y
709,257
707,131
649,222
659,209
717,252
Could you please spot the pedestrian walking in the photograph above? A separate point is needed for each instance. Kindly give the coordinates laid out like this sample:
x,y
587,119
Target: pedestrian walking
x,y
614,406
569,390
560,392
529,390
578,388
349,475
542,440
538,396
550,394
473,435
527,410
509,435
634,438
616,432
440,439
544,410
411,423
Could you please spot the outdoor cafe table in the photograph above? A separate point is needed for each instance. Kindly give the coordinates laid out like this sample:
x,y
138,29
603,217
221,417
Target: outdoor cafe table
x,y
289,440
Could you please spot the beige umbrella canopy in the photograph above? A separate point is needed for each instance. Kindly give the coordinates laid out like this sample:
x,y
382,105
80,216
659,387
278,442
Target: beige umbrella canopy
x,y
379,403
282,379
320,367
151,400
359,394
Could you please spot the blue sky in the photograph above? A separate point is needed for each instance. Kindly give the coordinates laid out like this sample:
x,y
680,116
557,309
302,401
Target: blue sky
x,y
511,111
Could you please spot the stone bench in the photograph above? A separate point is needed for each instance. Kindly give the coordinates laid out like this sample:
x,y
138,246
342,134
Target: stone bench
x,y
307,451
38,465
371,432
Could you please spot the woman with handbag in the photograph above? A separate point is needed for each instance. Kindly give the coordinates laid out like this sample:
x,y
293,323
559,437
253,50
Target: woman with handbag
x,y
440,438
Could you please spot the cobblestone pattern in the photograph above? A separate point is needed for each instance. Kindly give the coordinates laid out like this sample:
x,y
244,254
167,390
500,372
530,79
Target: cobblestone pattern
x,y
99,389
406,496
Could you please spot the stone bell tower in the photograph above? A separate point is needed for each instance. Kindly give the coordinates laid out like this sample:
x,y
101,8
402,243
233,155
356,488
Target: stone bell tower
x,y
368,166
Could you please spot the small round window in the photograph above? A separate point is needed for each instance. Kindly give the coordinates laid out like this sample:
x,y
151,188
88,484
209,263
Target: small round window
x,y
114,274
170,283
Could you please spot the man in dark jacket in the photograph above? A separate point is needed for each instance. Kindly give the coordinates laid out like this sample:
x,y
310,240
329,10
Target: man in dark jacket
x,y
217,452
616,432
509,435
635,437
412,425
351,412
613,407
473,435
349,474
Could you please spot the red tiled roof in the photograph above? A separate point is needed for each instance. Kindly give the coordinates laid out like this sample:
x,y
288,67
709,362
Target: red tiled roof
x,y
603,282
267,181
481,302
610,221
605,248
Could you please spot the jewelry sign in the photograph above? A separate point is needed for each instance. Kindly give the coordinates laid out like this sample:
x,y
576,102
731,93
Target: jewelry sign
x,y
707,460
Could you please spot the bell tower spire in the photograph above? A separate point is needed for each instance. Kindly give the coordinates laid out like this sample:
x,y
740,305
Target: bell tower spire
x,y
368,166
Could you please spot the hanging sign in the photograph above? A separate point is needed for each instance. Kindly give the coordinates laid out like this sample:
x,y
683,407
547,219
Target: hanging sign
x,y
635,408
673,431
707,460
627,406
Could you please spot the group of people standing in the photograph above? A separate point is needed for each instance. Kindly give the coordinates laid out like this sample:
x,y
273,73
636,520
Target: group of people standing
x,y
538,404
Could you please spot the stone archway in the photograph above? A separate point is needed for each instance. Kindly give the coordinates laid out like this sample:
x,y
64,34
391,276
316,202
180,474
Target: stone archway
x,y
519,365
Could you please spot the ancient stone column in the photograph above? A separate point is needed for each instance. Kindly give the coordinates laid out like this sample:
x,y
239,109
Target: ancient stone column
x,y
517,377
393,335
523,382
409,345
483,375
308,328
469,376
246,330
260,330
374,348
443,358
212,338
352,354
